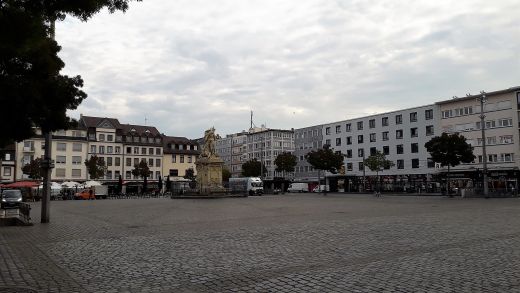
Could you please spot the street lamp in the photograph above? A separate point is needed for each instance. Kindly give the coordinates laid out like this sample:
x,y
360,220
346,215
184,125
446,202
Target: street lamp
x,y
482,99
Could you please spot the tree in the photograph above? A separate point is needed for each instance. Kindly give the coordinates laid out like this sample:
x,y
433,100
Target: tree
x,y
143,171
285,162
378,162
226,174
190,174
450,150
252,168
32,88
96,167
34,169
325,159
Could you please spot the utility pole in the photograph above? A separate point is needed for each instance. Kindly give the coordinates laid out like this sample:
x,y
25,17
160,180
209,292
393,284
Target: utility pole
x,y
364,171
482,99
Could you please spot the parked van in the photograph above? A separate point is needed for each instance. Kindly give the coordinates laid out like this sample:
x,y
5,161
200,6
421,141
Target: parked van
x,y
298,187
322,188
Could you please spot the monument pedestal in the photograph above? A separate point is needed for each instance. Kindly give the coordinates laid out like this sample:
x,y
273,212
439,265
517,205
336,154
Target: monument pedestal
x,y
209,175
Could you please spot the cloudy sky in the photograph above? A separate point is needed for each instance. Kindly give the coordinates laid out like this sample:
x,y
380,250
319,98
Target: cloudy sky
x,y
187,65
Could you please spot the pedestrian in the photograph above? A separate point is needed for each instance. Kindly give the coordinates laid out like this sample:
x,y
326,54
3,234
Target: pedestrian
x,y
90,193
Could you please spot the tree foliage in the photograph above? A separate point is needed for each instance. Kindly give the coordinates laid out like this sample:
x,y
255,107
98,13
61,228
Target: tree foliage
x,y
31,86
226,174
377,162
141,170
96,167
325,159
450,150
190,174
252,168
34,169
285,162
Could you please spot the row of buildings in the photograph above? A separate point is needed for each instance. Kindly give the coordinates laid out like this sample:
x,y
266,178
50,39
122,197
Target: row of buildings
x,y
122,146
401,136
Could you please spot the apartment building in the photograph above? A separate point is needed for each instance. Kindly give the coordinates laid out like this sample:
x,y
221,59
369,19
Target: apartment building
x,y
501,111
223,149
400,135
180,154
7,163
266,144
305,140
69,151
232,150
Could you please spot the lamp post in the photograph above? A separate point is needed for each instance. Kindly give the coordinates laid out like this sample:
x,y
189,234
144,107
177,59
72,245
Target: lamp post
x,y
482,99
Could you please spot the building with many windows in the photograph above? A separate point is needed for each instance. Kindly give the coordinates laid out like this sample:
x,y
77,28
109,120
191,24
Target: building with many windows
x,y
232,150
305,140
180,154
501,123
8,163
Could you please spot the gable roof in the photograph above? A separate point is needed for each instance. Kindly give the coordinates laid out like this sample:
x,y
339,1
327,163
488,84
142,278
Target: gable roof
x,y
90,121
140,130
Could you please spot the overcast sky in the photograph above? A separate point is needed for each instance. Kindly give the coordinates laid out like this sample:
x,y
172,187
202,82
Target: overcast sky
x,y
189,65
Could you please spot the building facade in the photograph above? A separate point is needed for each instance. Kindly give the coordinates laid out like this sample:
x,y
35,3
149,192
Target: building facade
x,y
232,149
180,154
8,164
501,111
305,140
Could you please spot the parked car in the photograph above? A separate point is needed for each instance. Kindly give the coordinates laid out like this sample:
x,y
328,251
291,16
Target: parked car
x,y
85,194
298,187
11,198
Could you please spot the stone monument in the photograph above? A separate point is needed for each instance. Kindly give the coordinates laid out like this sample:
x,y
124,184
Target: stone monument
x,y
209,166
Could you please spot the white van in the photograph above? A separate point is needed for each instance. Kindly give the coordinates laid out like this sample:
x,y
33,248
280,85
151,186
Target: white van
x,y
298,187
321,188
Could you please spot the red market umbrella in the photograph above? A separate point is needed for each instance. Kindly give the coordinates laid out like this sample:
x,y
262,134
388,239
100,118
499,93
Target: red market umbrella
x,y
22,184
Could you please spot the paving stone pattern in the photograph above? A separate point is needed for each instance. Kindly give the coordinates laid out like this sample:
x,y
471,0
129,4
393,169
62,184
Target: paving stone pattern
x,y
283,243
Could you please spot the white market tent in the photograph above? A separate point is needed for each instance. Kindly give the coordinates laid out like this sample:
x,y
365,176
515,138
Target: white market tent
x,y
91,183
70,184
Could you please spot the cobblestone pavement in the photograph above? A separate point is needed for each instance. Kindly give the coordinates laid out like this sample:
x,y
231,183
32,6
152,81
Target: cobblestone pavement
x,y
283,243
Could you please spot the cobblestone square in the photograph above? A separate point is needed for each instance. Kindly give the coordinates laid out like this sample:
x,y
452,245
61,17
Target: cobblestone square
x,y
282,243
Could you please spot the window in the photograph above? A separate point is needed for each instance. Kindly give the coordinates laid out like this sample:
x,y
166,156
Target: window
x,y
101,149
110,149
386,150
136,150
150,151
190,159
349,140
109,174
413,117
117,161
415,163
327,130
181,159
143,151
136,161
128,175
110,137
384,121
128,162
7,157
490,124
117,150
174,172
338,128
506,139
61,160
77,147
348,127
7,171
372,137
150,162
361,166
429,130
76,160
385,135
491,140
446,114
398,119
507,157
431,163
413,132
360,153
360,138
415,147
492,158
327,142
373,151
101,137
60,172
399,134
505,122
174,158
158,151
338,141
360,125
399,149
428,114
400,164
349,166
61,146
468,110
128,150
349,153
372,123
109,161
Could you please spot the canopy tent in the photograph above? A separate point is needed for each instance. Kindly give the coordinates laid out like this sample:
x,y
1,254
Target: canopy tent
x,y
22,184
91,183
54,186
70,184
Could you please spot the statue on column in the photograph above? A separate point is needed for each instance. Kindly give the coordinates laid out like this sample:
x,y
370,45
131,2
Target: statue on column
x,y
208,149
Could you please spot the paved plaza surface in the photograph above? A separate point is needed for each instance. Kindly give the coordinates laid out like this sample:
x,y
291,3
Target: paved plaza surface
x,y
279,243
